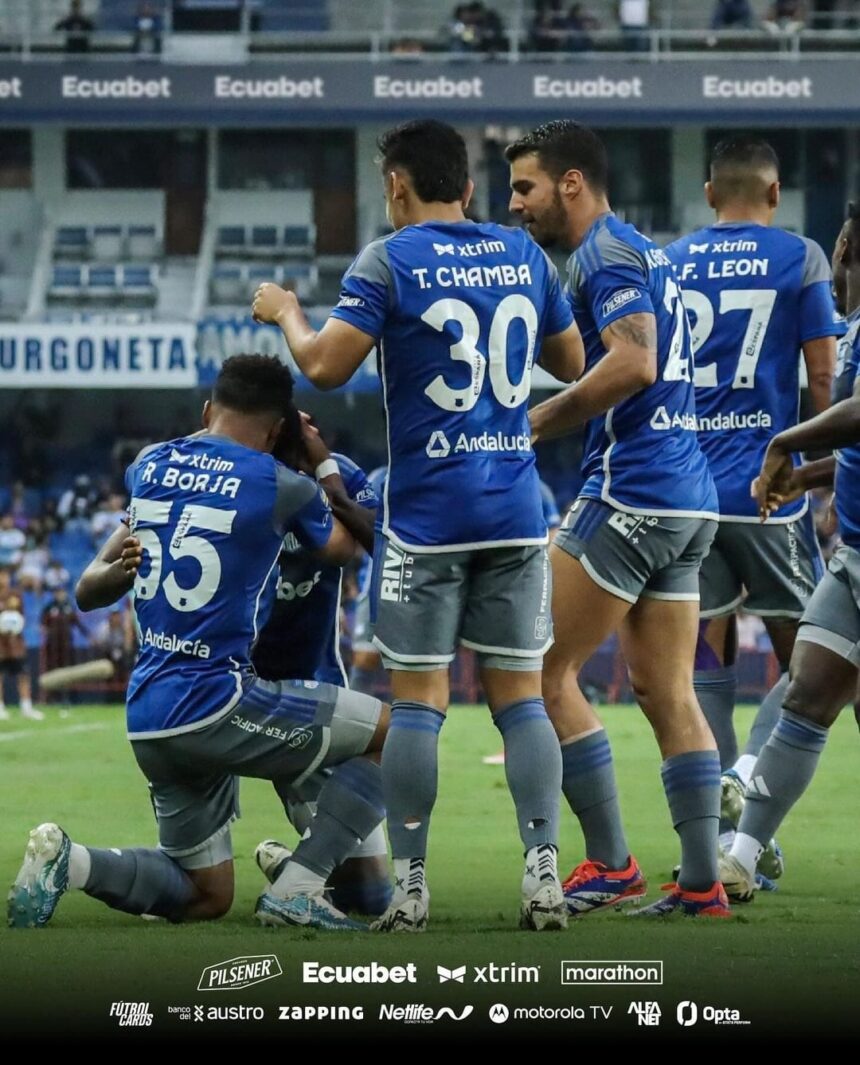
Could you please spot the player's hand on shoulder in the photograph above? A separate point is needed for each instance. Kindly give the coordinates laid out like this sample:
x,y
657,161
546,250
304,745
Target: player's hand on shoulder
x,y
270,301
131,555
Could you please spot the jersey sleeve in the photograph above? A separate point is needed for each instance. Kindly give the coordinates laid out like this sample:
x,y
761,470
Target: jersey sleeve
x,y
365,293
614,282
355,481
301,508
818,314
132,466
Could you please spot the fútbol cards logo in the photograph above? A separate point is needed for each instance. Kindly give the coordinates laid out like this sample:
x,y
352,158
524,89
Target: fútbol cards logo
x,y
612,973
131,1014
237,973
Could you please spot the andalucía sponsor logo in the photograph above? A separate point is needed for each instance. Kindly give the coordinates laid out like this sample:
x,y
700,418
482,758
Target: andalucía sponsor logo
x,y
661,421
321,1013
315,973
439,447
612,973
131,1014
169,641
236,973
732,422
418,1013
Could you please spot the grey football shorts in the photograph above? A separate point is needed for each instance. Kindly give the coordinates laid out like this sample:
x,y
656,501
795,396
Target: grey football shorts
x,y
771,570
635,555
282,731
832,618
496,600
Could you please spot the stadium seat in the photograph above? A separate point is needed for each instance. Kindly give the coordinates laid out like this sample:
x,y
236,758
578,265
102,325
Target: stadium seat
x,y
138,283
232,239
101,283
227,285
66,282
107,244
72,241
142,242
264,240
299,240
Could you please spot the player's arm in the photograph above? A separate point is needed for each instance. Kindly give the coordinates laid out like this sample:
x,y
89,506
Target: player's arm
x,y
327,358
820,358
834,428
563,355
629,365
794,485
339,548
111,573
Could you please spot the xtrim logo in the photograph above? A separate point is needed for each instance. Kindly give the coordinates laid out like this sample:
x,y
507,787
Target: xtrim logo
x,y
438,446
492,974
237,973
612,973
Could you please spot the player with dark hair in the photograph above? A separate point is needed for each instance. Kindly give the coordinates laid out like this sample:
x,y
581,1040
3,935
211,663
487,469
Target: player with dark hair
x,y
756,296
459,310
208,516
628,552
826,656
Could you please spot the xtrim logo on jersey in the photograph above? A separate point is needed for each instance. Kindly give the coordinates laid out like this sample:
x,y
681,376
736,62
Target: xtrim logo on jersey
x,y
661,421
438,446
467,251
698,249
620,299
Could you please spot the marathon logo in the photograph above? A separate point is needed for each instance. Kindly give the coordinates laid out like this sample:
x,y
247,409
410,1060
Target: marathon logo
x,y
770,88
130,88
282,88
441,88
236,973
545,87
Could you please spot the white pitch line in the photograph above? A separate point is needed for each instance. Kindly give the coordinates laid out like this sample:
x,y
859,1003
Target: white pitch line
x,y
95,727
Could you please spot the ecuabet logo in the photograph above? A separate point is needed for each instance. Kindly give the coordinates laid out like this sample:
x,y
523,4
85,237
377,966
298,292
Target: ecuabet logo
x,y
438,446
236,973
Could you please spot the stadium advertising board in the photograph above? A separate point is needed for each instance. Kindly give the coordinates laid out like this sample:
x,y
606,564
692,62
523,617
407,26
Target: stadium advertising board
x,y
325,92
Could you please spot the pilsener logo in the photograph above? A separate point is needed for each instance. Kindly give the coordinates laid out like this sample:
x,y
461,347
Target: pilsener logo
x,y
612,973
237,973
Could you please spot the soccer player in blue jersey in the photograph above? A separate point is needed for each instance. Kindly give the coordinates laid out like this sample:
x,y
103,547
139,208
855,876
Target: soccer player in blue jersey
x,y
208,516
757,296
459,311
628,552
366,659
300,641
826,657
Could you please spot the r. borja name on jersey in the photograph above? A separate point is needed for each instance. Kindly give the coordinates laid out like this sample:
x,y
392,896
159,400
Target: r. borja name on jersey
x,y
189,480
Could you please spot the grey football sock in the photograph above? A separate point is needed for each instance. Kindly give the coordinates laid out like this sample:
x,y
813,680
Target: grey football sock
x,y
139,880
533,769
692,784
716,690
785,766
410,775
588,783
767,716
349,807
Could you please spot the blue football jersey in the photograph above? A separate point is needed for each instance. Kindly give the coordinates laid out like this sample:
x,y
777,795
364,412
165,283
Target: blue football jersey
x,y
376,479
459,311
643,455
300,639
211,516
754,294
848,458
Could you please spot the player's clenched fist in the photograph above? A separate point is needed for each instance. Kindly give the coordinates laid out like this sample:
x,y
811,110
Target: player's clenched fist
x,y
270,300
131,555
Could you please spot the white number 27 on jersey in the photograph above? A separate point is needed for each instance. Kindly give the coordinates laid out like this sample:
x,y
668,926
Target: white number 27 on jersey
x,y
758,303
157,512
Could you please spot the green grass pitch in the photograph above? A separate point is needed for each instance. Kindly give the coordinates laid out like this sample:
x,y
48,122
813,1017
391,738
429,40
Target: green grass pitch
x,y
790,960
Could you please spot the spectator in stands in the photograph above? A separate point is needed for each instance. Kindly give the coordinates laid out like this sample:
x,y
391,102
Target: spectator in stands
x,y
34,559
31,594
732,14
109,513
13,650
476,28
548,30
147,29
12,543
78,501
785,16
77,28
579,22
634,18
18,506
59,620
56,576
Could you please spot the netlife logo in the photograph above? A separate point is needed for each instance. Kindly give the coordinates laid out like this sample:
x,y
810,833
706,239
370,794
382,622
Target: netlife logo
x,y
438,446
